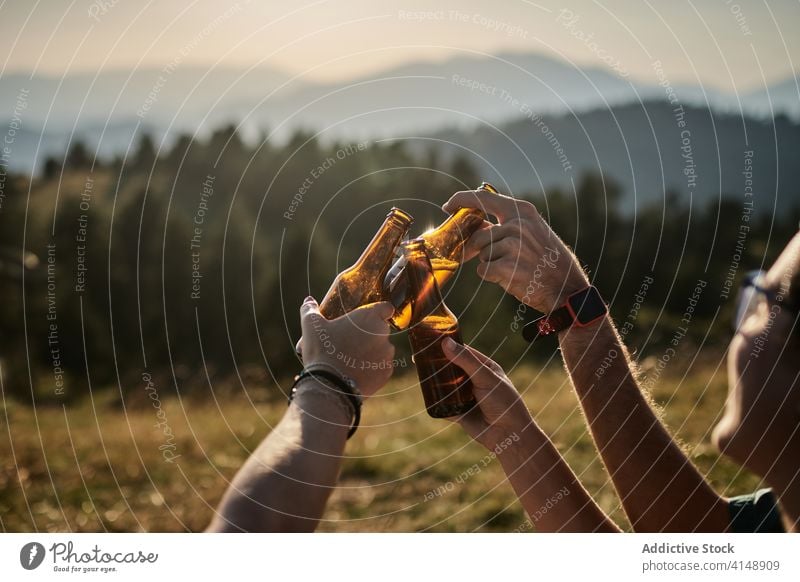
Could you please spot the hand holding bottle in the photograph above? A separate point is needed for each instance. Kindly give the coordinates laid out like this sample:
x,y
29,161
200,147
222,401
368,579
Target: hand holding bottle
x,y
356,344
521,253
446,249
501,412
362,283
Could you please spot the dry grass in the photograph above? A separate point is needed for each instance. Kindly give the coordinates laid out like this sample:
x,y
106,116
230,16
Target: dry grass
x,y
94,467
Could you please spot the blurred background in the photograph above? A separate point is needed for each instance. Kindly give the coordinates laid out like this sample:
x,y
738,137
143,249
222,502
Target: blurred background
x,y
176,177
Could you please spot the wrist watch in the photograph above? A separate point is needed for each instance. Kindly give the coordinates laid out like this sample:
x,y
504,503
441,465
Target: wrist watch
x,y
581,309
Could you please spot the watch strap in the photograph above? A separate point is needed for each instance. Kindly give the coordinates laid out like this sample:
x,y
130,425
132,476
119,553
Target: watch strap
x,y
570,313
558,320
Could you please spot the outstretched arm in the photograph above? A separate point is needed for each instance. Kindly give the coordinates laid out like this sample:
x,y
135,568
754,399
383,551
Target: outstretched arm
x,y
286,482
549,491
659,487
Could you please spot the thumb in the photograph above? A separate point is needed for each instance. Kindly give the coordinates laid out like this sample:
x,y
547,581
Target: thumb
x,y
309,305
309,310
468,360
382,309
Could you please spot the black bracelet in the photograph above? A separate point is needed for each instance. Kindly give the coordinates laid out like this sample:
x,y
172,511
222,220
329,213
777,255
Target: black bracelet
x,y
339,385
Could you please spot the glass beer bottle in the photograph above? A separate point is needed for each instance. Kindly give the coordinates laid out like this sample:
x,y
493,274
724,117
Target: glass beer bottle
x,y
446,388
444,246
363,282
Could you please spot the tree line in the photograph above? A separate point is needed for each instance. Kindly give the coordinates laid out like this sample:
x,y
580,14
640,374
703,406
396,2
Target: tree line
x,y
188,263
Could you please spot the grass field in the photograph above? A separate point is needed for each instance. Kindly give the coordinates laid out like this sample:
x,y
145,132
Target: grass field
x,y
98,467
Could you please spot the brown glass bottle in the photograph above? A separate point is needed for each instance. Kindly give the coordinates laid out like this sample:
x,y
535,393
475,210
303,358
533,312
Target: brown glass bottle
x,y
363,282
444,246
446,388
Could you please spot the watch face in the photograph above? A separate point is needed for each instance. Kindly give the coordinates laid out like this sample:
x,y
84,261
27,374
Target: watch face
x,y
587,306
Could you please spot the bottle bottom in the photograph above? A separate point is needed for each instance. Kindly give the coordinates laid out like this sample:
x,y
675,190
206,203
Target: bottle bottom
x,y
446,388
450,410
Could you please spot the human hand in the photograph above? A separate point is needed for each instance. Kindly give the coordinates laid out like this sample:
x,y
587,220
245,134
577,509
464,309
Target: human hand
x,y
356,344
521,253
501,413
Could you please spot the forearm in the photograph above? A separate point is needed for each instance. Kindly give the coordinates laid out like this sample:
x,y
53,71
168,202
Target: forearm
x,y
286,482
549,491
659,487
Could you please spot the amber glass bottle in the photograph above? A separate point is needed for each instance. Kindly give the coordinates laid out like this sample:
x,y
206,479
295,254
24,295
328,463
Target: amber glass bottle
x,y
444,245
446,388
363,282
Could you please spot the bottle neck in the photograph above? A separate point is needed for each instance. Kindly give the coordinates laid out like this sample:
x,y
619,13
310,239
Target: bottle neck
x,y
446,240
380,251
426,299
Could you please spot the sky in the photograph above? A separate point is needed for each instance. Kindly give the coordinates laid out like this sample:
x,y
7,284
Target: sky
x,y
725,44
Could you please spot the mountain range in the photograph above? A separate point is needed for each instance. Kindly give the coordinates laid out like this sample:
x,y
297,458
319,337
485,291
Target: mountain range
x,y
647,149
110,109
528,121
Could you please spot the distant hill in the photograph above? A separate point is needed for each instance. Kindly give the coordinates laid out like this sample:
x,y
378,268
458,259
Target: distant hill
x,y
113,108
779,98
640,147
458,91
185,93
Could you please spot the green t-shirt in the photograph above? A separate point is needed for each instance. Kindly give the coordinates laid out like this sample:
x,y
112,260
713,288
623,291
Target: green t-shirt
x,y
755,513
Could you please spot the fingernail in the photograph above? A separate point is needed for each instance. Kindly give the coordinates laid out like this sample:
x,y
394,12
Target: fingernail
x,y
307,299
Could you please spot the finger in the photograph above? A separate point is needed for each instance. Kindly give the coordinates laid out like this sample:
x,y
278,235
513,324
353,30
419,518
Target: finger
x,y
478,240
383,310
495,271
485,360
310,315
509,246
309,305
474,363
494,234
482,237
372,318
503,207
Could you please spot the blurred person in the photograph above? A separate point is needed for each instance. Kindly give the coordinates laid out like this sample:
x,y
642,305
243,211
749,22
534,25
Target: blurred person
x,y
760,426
660,489
286,482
